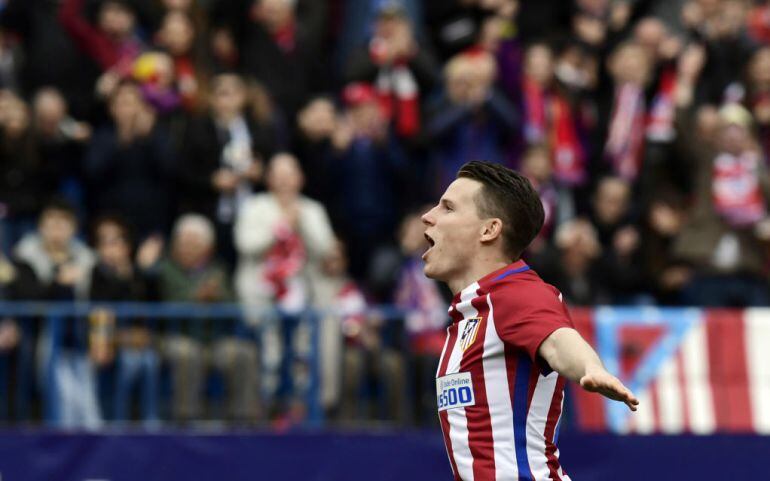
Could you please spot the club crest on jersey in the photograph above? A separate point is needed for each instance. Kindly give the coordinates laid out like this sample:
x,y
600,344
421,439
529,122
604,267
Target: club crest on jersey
x,y
469,332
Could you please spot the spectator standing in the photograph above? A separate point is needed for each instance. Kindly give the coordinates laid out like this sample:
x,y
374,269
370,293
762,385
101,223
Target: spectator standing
x,y
21,189
572,264
117,278
401,70
549,116
60,141
316,123
282,238
180,38
558,205
368,164
130,164
621,265
472,120
17,340
283,48
343,326
62,266
223,154
725,239
425,317
625,109
111,43
50,56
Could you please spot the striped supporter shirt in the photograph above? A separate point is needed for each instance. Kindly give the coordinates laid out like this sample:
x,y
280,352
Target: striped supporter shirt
x,y
499,403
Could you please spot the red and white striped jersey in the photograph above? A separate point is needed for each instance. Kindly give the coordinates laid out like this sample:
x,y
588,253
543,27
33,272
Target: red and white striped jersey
x,y
499,403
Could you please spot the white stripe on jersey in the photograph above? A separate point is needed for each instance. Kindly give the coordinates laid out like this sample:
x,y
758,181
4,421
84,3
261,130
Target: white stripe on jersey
x,y
757,333
700,400
443,352
458,423
536,421
499,399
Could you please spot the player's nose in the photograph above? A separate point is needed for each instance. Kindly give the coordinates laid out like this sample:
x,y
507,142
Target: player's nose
x,y
427,218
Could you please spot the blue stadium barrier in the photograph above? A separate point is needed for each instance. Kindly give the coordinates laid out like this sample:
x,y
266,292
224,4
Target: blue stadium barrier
x,y
55,315
355,456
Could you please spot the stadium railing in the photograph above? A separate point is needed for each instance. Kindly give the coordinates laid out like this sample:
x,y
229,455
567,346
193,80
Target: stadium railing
x,y
24,371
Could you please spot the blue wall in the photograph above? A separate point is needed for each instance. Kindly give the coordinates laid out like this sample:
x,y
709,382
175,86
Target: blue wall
x,y
420,456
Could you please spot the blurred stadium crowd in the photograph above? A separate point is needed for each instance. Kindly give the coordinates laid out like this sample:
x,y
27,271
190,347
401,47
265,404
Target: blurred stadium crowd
x,y
278,153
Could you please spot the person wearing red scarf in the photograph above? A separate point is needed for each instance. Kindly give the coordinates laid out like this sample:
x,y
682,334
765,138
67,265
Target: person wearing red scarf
x,y
282,46
630,68
398,67
726,238
549,118
281,237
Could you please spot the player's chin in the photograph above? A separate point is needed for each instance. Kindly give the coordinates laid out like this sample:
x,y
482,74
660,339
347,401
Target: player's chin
x,y
427,271
430,271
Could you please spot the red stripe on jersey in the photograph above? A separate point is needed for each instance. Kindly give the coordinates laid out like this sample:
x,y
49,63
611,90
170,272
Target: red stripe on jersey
x,y
684,399
534,375
480,440
550,428
511,363
443,416
727,360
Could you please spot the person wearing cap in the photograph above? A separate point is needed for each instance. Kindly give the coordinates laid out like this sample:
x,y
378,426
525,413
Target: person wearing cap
x,y
725,240
368,165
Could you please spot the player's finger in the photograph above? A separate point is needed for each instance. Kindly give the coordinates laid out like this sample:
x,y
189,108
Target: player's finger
x,y
629,398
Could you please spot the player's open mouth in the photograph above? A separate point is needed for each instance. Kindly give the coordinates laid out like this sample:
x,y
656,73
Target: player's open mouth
x,y
431,242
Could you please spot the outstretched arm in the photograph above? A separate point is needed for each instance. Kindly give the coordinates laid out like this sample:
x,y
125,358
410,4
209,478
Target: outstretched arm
x,y
569,354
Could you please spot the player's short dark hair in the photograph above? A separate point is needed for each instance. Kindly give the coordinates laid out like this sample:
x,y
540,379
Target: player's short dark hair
x,y
509,196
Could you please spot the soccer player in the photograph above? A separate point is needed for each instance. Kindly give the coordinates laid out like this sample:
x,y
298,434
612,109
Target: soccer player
x,y
511,345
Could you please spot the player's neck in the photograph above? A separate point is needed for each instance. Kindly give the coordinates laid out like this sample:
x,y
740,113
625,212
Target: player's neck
x,y
477,271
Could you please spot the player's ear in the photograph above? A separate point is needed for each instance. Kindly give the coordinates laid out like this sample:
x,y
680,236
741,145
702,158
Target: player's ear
x,y
491,230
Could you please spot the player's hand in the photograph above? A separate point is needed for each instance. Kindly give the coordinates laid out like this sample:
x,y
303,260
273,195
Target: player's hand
x,y
604,383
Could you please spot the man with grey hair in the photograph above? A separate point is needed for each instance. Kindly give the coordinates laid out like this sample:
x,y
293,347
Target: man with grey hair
x,y
191,273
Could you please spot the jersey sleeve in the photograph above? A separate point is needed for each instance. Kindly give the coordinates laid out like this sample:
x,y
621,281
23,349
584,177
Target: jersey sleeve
x,y
525,316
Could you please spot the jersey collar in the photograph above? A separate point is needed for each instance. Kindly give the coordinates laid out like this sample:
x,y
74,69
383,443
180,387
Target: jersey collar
x,y
496,275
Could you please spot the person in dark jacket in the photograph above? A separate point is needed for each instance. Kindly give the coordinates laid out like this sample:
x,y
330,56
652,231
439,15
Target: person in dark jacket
x,y
17,340
472,120
130,165
51,58
368,164
21,189
62,266
282,47
117,277
223,159
402,70
621,259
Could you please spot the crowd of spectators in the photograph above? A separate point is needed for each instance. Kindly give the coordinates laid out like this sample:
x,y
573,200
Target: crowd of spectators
x,y
278,153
